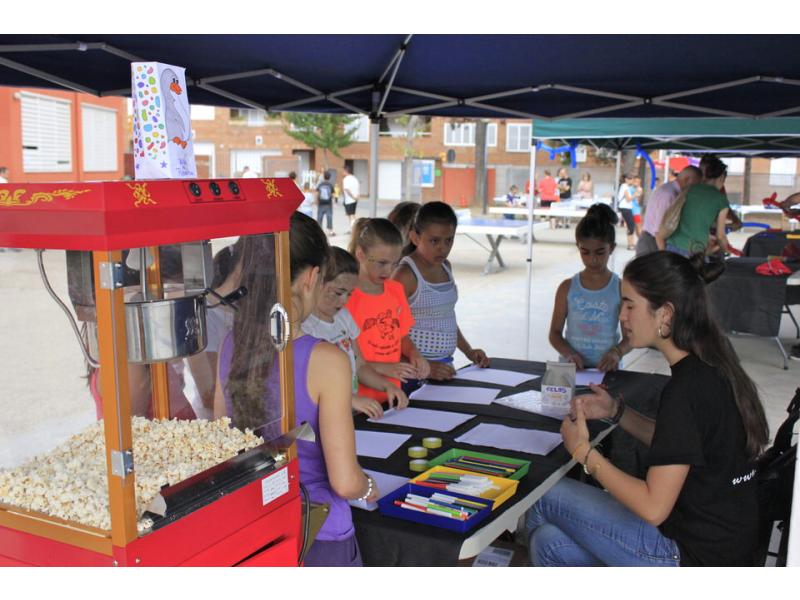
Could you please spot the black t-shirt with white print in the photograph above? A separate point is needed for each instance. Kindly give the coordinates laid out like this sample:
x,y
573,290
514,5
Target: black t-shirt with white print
x,y
715,519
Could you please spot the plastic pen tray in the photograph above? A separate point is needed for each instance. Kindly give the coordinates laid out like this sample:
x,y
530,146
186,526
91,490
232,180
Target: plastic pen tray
x,y
507,487
452,454
387,507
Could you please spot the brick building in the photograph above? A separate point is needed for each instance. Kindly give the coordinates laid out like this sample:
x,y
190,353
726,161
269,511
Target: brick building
x,y
50,135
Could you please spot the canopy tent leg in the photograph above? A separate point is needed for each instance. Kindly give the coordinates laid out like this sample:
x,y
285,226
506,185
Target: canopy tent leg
x,y
374,132
531,200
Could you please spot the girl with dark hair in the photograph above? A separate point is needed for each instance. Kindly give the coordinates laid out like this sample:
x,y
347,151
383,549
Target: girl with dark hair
x,y
332,322
380,309
248,385
402,216
698,503
705,207
427,279
588,303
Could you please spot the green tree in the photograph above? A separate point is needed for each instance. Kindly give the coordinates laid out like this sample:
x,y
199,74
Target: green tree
x,y
329,132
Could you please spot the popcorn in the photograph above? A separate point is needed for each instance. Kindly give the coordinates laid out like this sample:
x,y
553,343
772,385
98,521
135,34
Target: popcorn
x,y
70,482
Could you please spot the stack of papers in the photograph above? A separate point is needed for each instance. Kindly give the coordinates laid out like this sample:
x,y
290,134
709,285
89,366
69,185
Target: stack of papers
x,y
587,376
379,444
386,485
453,393
496,376
531,401
530,441
421,418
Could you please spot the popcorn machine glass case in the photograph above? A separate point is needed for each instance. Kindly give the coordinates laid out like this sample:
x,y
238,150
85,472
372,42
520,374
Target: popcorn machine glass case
x,y
123,440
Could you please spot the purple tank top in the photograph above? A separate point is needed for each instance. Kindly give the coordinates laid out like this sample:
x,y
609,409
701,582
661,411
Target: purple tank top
x,y
313,473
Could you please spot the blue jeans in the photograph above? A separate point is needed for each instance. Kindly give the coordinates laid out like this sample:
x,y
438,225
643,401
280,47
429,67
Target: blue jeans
x,y
678,250
325,210
412,385
578,525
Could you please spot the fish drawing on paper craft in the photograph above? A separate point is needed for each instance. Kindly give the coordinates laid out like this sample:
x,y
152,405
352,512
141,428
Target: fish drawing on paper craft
x,y
176,120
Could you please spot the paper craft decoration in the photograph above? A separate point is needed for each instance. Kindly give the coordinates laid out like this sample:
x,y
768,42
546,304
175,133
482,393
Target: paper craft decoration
x,y
422,418
496,376
530,441
452,393
162,126
378,444
386,484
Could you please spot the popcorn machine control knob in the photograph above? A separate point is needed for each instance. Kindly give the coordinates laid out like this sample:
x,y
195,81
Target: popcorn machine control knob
x,y
233,187
195,190
214,187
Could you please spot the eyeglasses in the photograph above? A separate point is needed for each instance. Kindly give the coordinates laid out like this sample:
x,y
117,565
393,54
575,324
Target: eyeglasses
x,y
382,264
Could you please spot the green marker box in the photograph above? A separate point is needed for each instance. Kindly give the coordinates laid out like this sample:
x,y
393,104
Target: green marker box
x,y
454,453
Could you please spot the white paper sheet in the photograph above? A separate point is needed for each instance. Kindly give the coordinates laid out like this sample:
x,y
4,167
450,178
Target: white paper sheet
x,y
587,376
422,418
379,444
497,376
452,393
386,485
531,401
530,441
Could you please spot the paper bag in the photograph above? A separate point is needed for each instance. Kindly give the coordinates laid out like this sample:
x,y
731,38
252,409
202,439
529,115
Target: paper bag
x,y
162,126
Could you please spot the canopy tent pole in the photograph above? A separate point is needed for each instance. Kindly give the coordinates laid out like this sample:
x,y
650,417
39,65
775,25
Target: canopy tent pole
x,y
374,133
531,200
617,175
666,168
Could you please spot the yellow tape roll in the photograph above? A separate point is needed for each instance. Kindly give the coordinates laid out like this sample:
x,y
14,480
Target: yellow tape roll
x,y
418,465
417,452
432,442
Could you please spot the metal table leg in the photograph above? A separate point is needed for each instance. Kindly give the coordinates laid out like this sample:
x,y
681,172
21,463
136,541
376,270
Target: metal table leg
x,y
494,254
783,352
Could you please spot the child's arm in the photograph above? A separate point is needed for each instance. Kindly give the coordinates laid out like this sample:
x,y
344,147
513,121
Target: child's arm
x,y
409,350
556,337
405,276
370,377
396,370
613,356
476,355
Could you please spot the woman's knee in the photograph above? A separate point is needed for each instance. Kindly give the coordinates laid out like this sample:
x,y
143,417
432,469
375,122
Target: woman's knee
x,y
547,545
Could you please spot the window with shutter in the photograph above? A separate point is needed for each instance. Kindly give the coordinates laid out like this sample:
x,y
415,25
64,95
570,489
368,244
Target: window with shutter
x,y
46,134
99,128
518,137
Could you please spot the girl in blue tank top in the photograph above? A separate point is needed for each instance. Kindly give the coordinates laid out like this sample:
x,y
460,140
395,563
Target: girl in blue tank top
x,y
588,303
248,386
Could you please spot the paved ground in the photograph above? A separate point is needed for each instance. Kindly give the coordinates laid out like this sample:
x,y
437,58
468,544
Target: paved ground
x,y
44,399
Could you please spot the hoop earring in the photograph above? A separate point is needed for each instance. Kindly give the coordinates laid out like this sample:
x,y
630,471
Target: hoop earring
x,y
661,334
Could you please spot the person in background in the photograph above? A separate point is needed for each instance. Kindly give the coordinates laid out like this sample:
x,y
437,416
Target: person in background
x,y
248,174
427,279
698,504
351,192
636,204
734,221
660,200
248,385
325,196
564,193
588,303
705,207
512,199
379,306
402,216
625,206
586,186
548,193
332,322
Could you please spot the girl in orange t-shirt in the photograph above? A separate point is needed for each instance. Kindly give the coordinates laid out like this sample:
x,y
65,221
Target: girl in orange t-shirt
x,y
380,308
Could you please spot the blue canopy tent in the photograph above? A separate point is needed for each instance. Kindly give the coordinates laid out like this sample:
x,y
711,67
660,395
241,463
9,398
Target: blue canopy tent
x,y
538,77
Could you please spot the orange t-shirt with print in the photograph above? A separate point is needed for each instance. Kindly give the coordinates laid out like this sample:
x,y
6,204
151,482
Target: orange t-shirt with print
x,y
384,319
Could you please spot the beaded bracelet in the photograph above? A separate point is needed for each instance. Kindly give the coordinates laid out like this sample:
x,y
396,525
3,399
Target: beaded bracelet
x,y
368,493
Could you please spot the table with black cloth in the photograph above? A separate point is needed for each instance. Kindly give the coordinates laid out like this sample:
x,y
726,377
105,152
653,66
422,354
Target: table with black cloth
x,y
767,243
745,301
388,541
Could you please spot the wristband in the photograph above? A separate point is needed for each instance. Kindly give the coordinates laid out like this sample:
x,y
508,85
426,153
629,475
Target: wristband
x,y
620,410
586,461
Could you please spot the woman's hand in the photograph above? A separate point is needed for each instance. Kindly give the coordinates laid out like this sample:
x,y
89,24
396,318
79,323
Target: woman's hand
x,y
597,405
368,406
478,357
441,371
575,357
375,495
610,360
397,397
574,432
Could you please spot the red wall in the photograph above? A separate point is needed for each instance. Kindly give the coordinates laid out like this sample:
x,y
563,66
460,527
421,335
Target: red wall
x,y
458,186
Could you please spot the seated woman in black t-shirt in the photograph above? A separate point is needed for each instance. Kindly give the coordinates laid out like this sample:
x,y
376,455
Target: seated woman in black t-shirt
x,y
697,504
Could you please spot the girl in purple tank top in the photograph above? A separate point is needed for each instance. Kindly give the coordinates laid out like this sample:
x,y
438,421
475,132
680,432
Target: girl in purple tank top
x,y
248,390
